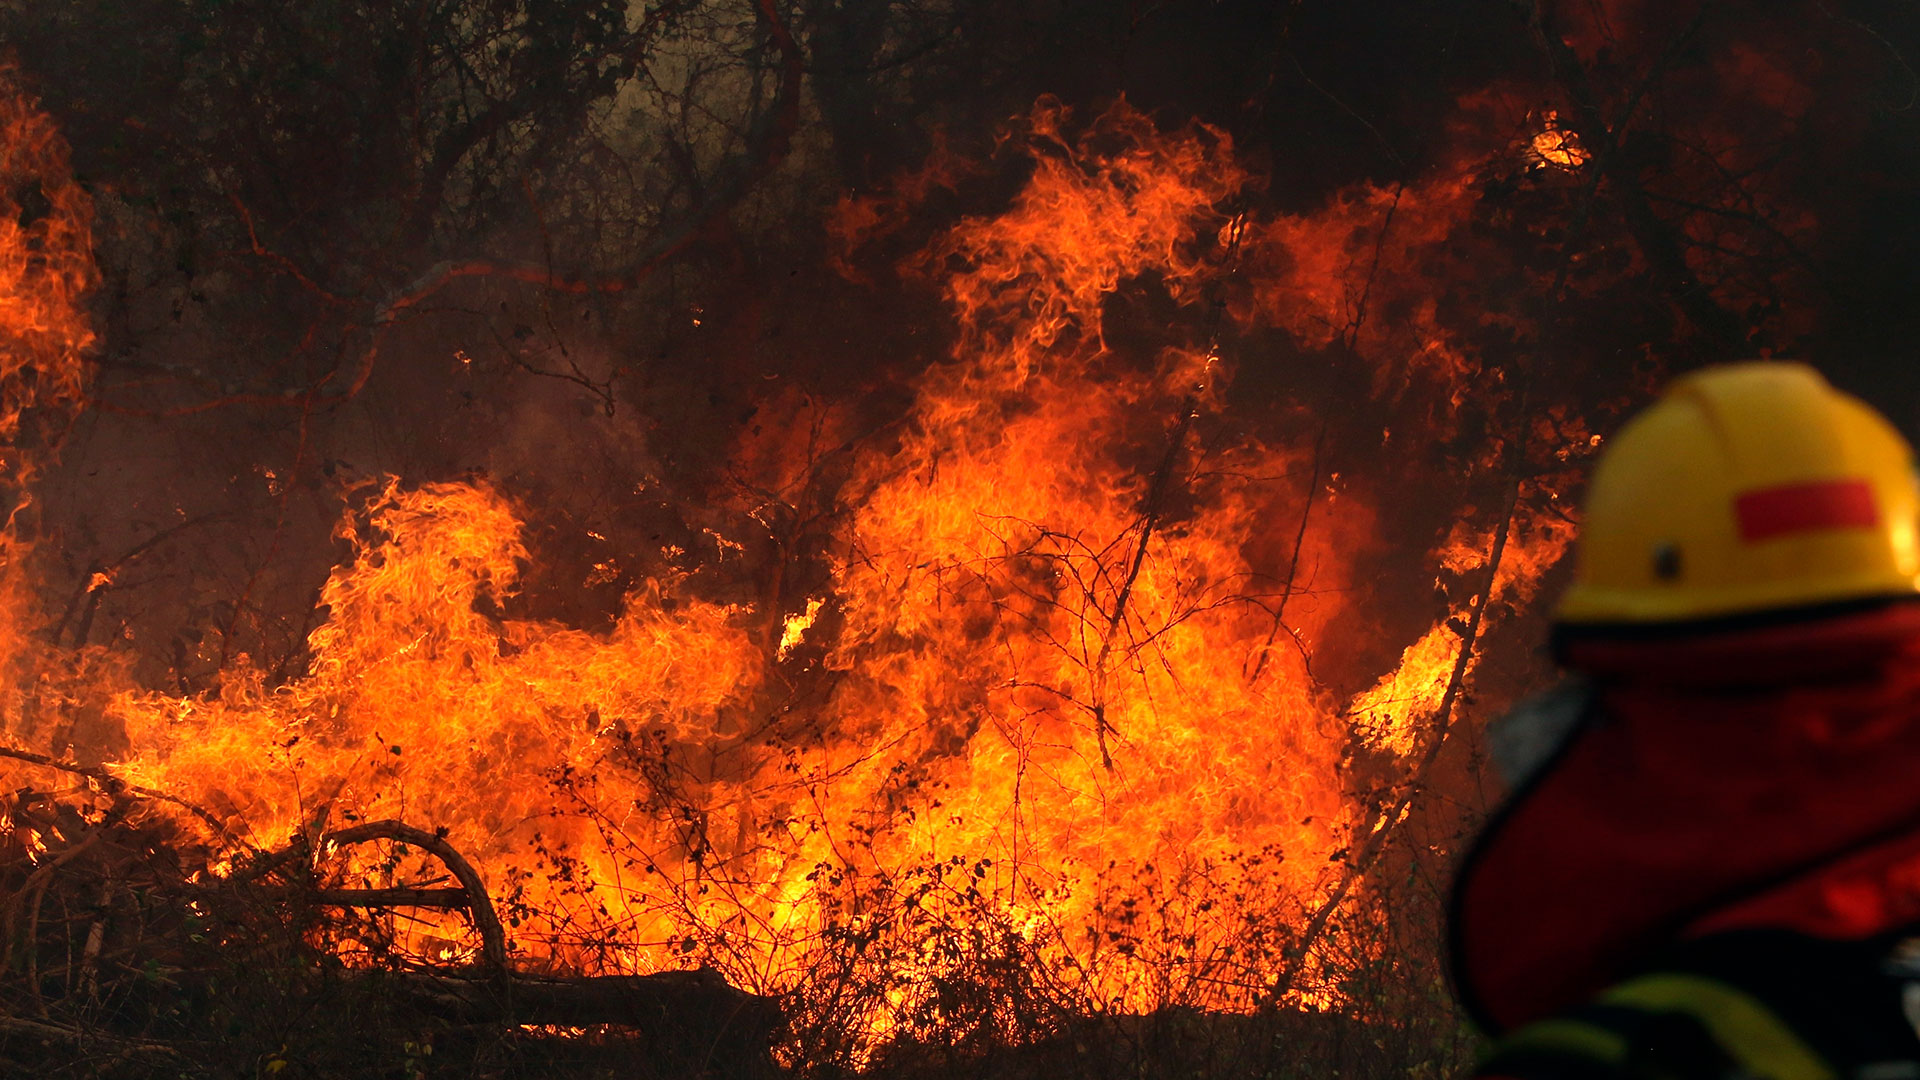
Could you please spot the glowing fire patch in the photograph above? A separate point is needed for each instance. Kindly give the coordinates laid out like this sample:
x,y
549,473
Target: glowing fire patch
x,y
796,628
1558,147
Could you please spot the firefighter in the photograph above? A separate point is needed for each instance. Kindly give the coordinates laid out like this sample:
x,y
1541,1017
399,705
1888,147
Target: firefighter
x,y
1710,864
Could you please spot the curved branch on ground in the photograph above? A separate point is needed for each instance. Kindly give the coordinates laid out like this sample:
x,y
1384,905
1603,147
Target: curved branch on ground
x,y
493,937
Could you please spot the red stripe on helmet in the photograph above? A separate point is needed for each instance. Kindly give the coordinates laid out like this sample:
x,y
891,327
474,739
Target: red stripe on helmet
x,y
1792,508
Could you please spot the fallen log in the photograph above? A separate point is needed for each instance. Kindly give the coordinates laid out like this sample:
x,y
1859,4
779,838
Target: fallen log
x,y
686,1023
699,999
47,1032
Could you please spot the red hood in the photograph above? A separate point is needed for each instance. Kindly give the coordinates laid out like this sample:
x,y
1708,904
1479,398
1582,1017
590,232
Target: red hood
x,y
1714,770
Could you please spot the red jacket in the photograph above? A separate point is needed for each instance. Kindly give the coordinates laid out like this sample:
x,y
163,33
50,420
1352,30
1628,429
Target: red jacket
x,y
1760,778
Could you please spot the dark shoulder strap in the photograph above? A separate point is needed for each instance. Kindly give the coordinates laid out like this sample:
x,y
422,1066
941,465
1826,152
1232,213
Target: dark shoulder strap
x,y
1654,1030
1838,996
1757,1005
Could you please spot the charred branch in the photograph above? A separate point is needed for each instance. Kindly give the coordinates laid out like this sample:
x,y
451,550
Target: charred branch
x,y
83,1040
113,784
698,1002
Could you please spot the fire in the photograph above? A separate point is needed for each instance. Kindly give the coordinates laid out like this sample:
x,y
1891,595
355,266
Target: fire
x,y
1389,716
420,705
796,628
46,268
1055,700
1556,146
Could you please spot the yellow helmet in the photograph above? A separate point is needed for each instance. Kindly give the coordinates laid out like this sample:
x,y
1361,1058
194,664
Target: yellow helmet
x,y
1748,488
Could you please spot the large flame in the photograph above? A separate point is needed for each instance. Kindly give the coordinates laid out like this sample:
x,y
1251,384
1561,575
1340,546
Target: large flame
x,y
46,268
1054,697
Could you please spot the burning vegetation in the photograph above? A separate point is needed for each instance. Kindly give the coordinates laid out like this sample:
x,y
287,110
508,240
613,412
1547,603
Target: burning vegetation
x,y
637,571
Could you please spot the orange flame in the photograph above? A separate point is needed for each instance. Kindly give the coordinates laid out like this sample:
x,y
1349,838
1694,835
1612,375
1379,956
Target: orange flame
x,y
46,268
1047,696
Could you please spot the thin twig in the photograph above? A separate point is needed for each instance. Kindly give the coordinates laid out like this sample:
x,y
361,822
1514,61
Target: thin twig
x,y
1293,564
1149,519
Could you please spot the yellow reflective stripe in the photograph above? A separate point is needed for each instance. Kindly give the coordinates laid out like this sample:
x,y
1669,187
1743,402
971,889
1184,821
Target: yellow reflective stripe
x,y
1575,1037
1746,1029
